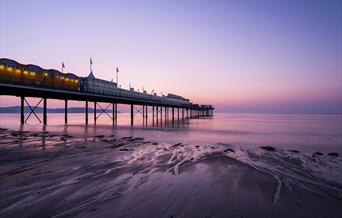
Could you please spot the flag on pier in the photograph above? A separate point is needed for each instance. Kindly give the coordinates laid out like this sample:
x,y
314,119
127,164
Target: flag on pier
x,y
117,76
63,66
91,63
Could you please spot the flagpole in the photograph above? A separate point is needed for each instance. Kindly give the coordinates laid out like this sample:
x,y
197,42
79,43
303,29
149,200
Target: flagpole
x,y
117,76
90,66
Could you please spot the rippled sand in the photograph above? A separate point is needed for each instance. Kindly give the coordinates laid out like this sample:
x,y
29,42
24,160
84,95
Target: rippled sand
x,y
47,175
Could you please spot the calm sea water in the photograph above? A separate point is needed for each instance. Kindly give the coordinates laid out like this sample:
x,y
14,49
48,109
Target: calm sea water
x,y
305,132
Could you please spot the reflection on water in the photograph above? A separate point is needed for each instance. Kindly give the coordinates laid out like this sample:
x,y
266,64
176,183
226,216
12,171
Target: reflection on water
x,y
310,132
209,156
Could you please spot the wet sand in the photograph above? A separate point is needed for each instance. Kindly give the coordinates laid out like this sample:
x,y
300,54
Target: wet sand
x,y
48,175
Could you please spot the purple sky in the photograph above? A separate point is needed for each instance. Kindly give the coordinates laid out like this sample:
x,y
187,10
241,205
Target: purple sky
x,y
241,56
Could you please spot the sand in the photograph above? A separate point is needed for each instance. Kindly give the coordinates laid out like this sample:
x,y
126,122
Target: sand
x,y
49,175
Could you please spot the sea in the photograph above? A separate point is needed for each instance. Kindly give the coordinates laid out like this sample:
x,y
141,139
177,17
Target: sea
x,y
303,132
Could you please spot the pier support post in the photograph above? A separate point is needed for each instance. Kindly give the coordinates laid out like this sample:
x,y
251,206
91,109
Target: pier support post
x,y
143,114
44,111
173,115
166,114
157,121
178,114
132,114
146,114
153,115
94,112
86,112
116,113
22,116
66,111
113,113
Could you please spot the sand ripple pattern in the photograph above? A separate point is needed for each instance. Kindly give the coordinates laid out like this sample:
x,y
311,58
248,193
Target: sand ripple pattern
x,y
67,176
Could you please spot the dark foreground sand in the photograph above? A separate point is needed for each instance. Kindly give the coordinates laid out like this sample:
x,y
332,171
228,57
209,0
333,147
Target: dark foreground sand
x,y
46,175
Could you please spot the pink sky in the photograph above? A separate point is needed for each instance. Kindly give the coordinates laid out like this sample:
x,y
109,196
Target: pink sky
x,y
239,57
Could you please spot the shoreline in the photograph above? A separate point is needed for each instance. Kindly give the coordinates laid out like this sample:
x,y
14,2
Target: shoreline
x,y
131,177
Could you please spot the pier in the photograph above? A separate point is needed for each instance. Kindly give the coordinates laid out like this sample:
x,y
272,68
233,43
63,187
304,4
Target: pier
x,y
17,80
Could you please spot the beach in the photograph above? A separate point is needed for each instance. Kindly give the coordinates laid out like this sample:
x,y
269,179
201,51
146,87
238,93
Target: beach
x,y
47,174
171,109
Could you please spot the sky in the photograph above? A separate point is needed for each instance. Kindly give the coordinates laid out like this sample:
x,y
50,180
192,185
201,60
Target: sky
x,y
264,56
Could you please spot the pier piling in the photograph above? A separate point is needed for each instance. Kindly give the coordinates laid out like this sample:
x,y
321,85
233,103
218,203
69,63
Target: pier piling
x,y
22,116
153,115
66,111
113,114
86,112
146,114
44,111
173,115
132,114
94,112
